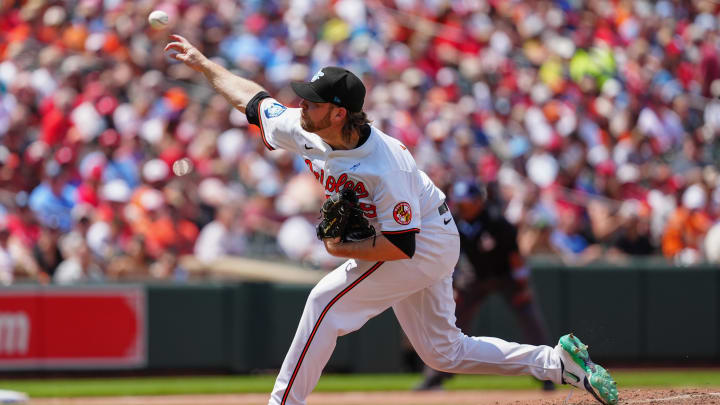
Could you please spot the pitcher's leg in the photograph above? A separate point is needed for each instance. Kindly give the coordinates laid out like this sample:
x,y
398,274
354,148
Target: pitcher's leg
x,y
340,303
427,317
327,315
467,300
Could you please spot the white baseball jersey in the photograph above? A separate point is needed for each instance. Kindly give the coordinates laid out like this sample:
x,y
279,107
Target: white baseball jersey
x,y
396,197
394,194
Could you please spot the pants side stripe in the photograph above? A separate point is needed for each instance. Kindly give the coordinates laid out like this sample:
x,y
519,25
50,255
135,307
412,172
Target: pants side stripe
x,y
317,325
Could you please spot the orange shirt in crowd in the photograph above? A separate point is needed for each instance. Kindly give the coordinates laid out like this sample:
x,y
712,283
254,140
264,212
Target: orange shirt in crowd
x,y
685,229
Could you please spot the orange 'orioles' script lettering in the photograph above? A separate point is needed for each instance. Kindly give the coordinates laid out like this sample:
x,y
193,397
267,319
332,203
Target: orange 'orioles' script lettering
x,y
332,185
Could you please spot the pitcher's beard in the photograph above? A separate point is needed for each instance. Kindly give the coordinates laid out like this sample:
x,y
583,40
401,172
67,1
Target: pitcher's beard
x,y
310,126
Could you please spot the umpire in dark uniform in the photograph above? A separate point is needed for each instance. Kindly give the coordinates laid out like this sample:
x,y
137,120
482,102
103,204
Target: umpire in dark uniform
x,y
490,262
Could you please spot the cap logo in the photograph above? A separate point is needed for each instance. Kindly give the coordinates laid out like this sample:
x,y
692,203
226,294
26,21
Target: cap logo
x,y
318,75
337,100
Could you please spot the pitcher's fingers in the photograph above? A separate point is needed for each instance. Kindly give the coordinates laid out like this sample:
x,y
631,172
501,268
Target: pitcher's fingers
x,y
180,38
176,46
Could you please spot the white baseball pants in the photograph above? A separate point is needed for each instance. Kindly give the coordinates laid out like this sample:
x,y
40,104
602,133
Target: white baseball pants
x,y
420,292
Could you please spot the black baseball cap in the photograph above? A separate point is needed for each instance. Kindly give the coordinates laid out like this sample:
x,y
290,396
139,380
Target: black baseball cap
x,y
333,85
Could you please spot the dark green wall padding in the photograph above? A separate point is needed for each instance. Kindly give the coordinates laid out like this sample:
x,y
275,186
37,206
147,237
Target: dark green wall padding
x,y
624,314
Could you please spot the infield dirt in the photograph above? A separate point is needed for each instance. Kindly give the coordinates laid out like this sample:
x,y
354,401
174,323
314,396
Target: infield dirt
x,y
631,396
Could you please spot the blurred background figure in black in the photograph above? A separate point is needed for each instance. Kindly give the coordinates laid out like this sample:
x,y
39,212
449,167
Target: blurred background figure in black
x,y
490,262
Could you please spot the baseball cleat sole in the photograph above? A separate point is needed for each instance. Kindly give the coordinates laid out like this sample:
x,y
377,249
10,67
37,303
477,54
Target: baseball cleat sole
x,y
597,380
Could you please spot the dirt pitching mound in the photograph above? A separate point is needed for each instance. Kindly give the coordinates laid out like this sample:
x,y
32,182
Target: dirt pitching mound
x,y
629,397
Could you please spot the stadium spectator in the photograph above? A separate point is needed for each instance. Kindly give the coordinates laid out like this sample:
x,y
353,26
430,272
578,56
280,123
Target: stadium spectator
x,y
570,240
687,227
21,221
633,236
168,267
53,200
110,234
79,266
221,237
133,263
82,218
46,254
712,244
7,263
535,238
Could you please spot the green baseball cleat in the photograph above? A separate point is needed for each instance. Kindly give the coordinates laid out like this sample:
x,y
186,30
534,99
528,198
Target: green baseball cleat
x,y
580,371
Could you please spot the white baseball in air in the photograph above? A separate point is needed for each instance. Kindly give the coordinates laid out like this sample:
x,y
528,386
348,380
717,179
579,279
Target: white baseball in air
x,y
158,19
182,166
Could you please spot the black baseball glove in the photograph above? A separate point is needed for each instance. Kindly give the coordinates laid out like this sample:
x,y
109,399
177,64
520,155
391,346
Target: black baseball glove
x,y
343,218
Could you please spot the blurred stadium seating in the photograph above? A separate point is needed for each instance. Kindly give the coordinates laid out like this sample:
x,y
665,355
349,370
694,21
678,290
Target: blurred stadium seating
x,y
595,123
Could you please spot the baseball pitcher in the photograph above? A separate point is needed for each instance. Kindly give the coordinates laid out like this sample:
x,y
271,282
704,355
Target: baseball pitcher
x,y
408,261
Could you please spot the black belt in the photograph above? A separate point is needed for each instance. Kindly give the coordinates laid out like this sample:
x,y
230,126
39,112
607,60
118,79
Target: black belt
x,y
443,208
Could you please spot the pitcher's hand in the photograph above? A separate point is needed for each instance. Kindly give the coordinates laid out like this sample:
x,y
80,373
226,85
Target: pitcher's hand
x,y
186,52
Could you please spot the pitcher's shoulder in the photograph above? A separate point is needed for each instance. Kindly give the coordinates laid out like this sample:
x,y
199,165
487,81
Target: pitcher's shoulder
x,y
395,154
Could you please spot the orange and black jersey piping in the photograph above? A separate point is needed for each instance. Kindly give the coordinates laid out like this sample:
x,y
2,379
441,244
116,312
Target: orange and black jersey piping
x,y
252,112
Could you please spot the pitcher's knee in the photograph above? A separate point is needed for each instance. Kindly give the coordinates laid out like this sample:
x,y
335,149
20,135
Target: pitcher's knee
x,y
439,363
333,317
441,360
443,354
320,296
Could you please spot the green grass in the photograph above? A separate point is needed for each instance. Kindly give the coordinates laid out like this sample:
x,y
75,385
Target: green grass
x,y
331,383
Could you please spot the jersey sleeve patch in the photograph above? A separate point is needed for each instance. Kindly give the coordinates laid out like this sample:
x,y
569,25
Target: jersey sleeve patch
x,y
280,126
275,110
402,213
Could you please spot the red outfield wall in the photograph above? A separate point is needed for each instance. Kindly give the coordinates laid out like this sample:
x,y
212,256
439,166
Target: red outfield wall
x,y
99,327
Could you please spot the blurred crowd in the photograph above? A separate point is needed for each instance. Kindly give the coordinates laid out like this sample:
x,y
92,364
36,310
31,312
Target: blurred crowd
x,y
595,124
